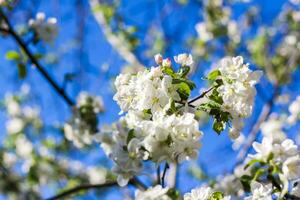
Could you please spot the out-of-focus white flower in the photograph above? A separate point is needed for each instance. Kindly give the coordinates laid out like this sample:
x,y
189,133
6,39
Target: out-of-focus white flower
x,y
291,167
96,175
15,125
260,191
23,146
296,2
9,159
294,109
203,33
85,99
272,129
153,193
45,29
238,142
230,185
12,106
184,59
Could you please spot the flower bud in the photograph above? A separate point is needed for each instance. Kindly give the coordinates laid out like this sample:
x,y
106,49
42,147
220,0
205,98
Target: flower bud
x,y
158,59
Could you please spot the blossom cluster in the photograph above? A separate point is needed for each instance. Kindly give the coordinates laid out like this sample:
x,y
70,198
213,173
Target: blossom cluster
x,y
232,94
20,117
83,125
156,126
45,30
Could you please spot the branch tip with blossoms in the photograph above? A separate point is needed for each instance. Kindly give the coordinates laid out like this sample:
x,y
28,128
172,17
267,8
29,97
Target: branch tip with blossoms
x,y
34,61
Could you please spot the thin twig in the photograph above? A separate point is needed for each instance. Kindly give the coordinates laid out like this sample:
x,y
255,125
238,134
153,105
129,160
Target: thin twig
x,y
34,61
164,174
200,96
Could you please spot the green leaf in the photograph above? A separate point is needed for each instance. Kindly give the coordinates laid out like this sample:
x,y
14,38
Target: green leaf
x,y
12,55
183,71
216,196
219,126
252,162
213,75
183,90
130,136
22,70
169,71
246,180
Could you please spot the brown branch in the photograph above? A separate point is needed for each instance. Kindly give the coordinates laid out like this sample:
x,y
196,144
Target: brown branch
x,y
79,188
83,187
200,96
34,61
266,111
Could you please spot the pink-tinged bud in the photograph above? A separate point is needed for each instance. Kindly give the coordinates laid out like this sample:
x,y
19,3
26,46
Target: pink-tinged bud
x,y
167,62
158,59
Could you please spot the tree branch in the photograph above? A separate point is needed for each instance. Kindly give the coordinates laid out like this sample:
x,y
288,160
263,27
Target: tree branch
x,y
200,96
83,187
34,61
79,188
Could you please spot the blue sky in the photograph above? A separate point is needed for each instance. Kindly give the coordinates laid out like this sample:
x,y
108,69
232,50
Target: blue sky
x,y
216,150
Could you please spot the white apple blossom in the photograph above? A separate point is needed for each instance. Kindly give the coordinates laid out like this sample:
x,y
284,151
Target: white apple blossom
x,y
272,129
201,193
85,99
203,33
230,185
153,193
96,175
291,168
294,109
45,29
24,147
149,89
158,59
237,90
184,59
15,125
260,191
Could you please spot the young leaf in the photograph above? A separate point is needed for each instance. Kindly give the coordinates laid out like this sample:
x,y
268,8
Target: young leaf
x,y
22,70
130,136
12,55
213,75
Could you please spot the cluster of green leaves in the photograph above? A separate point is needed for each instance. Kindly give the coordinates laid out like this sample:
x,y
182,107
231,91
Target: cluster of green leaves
x,y
21,60
88,116
262,171
214,104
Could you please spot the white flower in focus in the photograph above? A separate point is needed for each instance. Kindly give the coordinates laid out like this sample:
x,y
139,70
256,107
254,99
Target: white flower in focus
x,y
260,192
15,125
263,149
153,193
45,29
201,193
184,59
291,168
